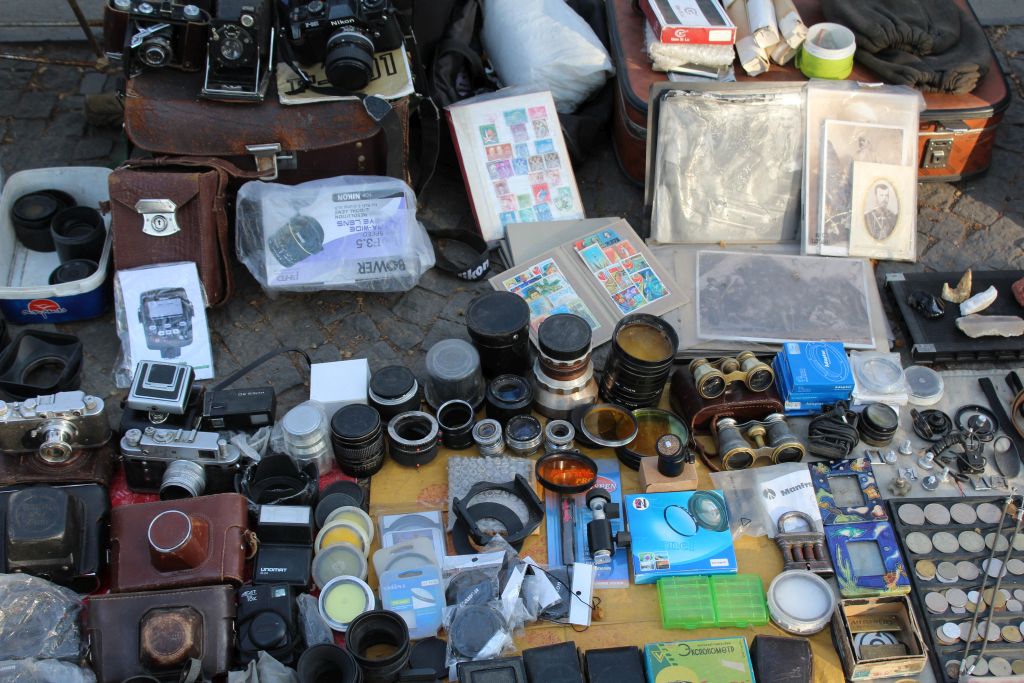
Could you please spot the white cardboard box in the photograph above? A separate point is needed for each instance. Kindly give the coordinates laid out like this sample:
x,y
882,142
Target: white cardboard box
x,y
339,383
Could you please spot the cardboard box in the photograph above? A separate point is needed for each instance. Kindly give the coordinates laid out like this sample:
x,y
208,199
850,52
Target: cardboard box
x,y
713,659
867,615
698,22
679,534
815,367
339,383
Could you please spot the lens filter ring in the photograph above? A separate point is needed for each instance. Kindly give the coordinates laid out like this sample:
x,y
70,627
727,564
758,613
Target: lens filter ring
x,y
412,438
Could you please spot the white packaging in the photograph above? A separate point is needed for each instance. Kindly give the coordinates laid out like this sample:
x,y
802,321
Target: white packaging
x,y
339,383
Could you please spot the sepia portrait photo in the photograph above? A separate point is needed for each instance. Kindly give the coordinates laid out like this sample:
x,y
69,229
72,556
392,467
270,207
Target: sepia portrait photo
x,y
884,212
883,208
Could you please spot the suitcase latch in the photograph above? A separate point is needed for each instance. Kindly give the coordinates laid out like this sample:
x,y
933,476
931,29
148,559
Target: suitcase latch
x,y
270,159
158,217
937,152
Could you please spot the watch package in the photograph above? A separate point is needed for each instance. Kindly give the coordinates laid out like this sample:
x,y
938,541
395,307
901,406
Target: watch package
x,y
679,533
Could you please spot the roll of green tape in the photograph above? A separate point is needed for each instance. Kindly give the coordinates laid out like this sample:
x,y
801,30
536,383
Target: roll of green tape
x,y
827,52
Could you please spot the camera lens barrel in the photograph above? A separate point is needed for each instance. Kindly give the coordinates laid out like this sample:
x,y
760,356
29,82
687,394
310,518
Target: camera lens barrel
x,y
393,390
306,436
558,436
348,63
372,629
523,435
499,325
506,396
33,213
453,372
412,438
357,435
878,424
296,240
72,271
563,375
78,232
489,438
183,479
326,662
643,350
455,420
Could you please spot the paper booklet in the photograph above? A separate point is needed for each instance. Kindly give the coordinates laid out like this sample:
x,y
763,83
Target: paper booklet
x,y
601,277
391,79
514,161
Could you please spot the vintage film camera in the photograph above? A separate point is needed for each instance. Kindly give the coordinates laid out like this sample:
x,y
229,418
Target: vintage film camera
x,y
240,51
166,317
53,427
266,622
179,463
161,395
343,35
156,33
55,532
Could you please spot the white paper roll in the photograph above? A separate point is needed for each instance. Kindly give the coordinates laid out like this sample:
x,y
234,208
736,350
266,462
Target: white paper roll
x,y
791,26
763,26
753,59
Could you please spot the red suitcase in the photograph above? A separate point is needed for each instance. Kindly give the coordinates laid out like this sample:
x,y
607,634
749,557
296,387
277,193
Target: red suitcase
x,y
957,131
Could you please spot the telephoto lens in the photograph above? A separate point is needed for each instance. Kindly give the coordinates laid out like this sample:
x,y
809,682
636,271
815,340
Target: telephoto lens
x,y
508,395
489,438
453,372
79,233
563,374
643,350
412,438
357,434
523,435
455,419
393,390
499,325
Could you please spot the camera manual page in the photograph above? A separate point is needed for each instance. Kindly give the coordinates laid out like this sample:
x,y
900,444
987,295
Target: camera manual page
x,y
161,315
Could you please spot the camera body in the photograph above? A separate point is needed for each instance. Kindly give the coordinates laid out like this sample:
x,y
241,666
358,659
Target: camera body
x,y
266,621
161,395
54,426
343,35
55,532
148,456
166,317
239,51
156,33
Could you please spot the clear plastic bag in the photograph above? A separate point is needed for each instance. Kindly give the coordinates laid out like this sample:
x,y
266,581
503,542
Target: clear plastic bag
x,y
356,233
676,56
38,619
44,671
314,629
758,496
266,669
302,443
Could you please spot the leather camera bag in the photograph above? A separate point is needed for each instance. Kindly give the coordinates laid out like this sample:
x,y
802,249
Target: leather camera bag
x,y
85,466
171,209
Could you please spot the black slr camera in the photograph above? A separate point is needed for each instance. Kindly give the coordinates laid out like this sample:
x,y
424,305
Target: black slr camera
x,y
156,33
343,35
266,621
240,51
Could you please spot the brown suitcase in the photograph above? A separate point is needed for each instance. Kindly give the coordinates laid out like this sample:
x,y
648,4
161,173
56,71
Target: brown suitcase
x,y
956,135
196,542
164,116
157,633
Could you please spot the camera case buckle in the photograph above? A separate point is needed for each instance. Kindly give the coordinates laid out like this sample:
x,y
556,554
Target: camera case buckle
x,y
159,218
270,159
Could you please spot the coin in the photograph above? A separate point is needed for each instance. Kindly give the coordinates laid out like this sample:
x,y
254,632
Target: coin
x,y
971,541
946,572
936,514
956,597
1015,566
993,566
968,571
1011,634
990,631
935,602
943,639
980,665
958,610
953,668
1000,542
925,570
988,513
963,513
911,514
1018,666
965,630
993,598
918,543
1014,605
1018,593
950,631
997,666
1018,542
945,542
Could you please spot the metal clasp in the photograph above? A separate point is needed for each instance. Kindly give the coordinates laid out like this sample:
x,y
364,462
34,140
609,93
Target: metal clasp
x,y
158,217
269,159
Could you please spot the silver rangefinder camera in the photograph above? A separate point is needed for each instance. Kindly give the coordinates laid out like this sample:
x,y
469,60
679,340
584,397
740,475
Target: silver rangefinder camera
x,y
53,426
179,463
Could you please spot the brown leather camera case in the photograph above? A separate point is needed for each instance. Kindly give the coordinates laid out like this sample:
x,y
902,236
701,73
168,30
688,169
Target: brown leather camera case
x,y
175,543
155,633
737,402
86,466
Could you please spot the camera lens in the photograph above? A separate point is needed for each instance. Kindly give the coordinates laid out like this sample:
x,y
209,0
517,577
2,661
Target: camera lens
x,y
455,419
349,60
506,396
156,51
328,663
489,438
379,641
32,215
296,240
393,390
412,438
357,436
643,350
523,434
231,49
499,325
183,479
79,233
558,436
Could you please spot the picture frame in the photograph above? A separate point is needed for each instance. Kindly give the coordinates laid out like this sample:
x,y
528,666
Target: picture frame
x,y
843,545
824,474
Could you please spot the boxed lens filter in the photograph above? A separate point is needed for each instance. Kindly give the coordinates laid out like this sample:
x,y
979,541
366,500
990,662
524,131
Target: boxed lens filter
x,y
678,534
820,368
712,659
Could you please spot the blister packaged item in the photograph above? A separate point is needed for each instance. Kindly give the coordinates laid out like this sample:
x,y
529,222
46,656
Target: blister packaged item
x,y
878,378
44,671
355,233
759,496
924,385
472,579
38,619
161,315
402,528
677,56
545,44
852,129
726,163
417,596
314,629
412,554
477,632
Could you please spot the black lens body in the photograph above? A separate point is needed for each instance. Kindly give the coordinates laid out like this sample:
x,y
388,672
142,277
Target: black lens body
x,y
33,213
357,434
370,629
878,424
508,396
629,380
79,233
393,390
499,325
413,438
296,240
456,419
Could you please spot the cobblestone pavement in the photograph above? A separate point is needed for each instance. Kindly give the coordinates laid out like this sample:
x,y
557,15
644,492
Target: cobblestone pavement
x,y
978,223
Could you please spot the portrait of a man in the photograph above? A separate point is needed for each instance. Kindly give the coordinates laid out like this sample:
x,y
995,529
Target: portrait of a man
x,y
883,210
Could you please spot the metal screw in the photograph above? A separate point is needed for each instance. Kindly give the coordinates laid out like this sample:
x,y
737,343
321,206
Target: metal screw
x,y
926,461
906,448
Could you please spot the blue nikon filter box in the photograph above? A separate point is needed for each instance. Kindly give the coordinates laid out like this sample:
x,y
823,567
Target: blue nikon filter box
x,y
678,534
815,367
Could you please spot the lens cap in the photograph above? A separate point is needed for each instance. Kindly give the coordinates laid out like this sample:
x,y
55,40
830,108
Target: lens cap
x,y
267,631
73,271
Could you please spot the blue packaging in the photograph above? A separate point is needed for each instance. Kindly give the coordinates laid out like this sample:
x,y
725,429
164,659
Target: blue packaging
x,y
816,367
806,403
678,534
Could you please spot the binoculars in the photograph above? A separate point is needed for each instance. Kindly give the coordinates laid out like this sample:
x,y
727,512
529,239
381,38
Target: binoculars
x,y
712,378
739,446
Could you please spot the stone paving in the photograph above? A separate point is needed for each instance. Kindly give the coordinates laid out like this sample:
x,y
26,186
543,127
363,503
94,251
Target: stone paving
x,y
978,223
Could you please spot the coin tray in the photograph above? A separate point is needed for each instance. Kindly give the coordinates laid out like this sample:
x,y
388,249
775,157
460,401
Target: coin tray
x,y
946,543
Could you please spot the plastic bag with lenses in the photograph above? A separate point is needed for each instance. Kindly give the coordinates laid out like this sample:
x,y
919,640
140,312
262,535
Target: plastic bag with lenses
x,y
741,445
